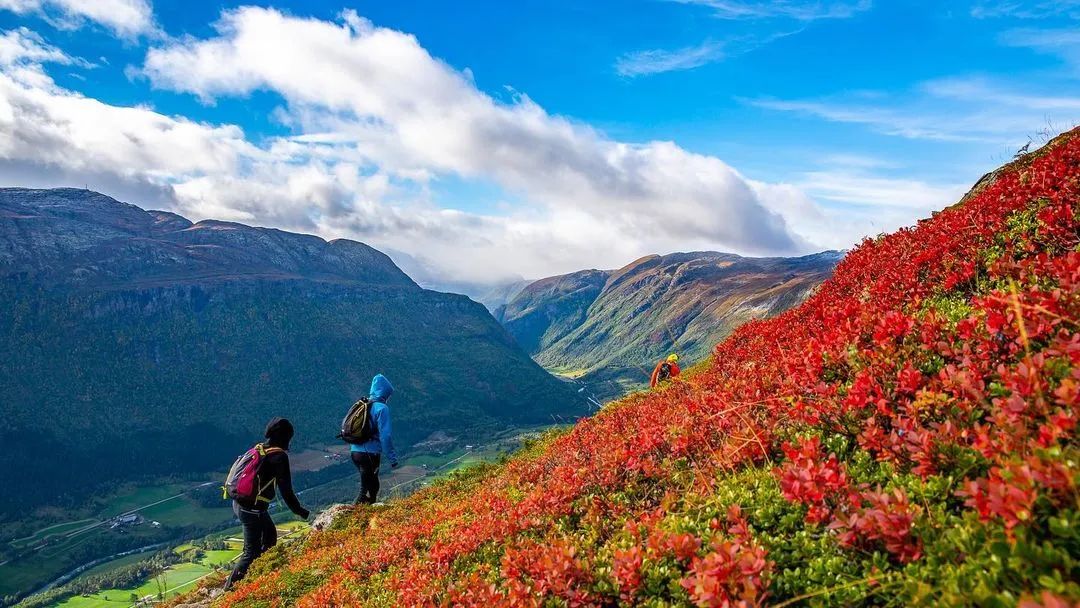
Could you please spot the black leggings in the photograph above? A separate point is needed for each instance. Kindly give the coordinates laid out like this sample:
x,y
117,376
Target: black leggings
x,y
368,465
259,535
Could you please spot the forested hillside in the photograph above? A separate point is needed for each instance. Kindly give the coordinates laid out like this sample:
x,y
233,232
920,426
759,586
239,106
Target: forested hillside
x,y
610,327
137,344
907,436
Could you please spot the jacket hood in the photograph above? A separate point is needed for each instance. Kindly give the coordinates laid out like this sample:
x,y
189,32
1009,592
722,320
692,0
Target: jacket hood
x,y
381,389
279,432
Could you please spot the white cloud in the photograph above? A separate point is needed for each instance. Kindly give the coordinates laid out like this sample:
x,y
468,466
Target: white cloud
x,y
889,120
849,197
22,53
24,46
990,93
655,61
915,198
954,110
1063,42
56,127
800,10
378,122
1026,9
127,18
1052,40
375,98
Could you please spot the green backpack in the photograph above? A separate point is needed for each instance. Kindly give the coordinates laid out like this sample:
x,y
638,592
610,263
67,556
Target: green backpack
x,y
358,426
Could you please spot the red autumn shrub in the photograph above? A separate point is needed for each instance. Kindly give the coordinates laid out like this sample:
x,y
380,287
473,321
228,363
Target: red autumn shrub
x,y
941,366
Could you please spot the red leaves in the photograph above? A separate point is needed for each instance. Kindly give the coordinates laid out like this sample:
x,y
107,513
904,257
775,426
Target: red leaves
x,y
626,568
1009,492
863,393
683,546
533,572
909,380
333,595
965,272
733,573
893,325
1047,600
952,341
810,479
996,321
887,517
474,592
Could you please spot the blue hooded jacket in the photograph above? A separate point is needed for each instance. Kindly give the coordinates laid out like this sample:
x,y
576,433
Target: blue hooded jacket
x,y
381,389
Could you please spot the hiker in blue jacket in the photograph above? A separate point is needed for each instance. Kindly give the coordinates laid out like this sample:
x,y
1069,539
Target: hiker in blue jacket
x,y
368,455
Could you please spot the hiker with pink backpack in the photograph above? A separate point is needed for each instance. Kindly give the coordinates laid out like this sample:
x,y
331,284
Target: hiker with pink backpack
x,y
251,483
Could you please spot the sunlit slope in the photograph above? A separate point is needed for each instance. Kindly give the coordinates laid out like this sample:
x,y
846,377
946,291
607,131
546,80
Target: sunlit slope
x,y
904,437
610,327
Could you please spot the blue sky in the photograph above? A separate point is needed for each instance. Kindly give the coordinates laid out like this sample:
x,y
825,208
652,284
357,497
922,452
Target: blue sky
x,y
491,139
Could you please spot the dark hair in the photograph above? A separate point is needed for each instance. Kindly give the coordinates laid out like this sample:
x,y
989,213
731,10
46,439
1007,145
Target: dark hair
x,y
279,432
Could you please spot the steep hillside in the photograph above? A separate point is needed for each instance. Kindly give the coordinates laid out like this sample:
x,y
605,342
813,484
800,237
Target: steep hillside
x,y
906,436
548,310
498,296
610,327
138,343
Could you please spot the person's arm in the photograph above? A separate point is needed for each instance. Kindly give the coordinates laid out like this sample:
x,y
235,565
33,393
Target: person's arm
x,y
655,374
385,437
284,484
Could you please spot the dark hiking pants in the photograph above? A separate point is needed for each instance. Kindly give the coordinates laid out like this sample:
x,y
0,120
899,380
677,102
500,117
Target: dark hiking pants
x,y
259,535
368,465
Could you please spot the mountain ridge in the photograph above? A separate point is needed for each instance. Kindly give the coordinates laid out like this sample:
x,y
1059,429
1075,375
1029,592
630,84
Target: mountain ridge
x,y
180,249
212,328
609,326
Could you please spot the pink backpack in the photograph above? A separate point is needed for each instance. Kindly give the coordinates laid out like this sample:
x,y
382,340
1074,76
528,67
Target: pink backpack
x,y
242,482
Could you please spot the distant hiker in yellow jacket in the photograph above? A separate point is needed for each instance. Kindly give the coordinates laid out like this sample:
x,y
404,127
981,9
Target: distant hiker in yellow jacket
x,y
665,370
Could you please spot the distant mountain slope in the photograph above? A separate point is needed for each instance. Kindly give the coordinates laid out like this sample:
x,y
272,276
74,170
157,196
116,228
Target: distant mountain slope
x,y
549,309
139,343
612,325
497,296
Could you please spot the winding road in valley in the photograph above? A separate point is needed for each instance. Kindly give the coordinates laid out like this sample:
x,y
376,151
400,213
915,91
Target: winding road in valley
x,y
44,542
83,530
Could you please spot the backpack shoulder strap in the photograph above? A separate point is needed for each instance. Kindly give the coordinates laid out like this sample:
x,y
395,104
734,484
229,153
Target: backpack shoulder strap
x,y
266,451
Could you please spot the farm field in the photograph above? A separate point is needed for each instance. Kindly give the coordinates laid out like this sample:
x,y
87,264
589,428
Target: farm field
x,y
43,555
177,579
117,563
50,531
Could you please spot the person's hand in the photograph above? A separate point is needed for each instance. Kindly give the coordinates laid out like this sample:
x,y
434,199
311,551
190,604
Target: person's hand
x,y
305,514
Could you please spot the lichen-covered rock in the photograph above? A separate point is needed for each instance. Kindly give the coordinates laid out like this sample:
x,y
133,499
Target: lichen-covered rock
x,y
326,518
